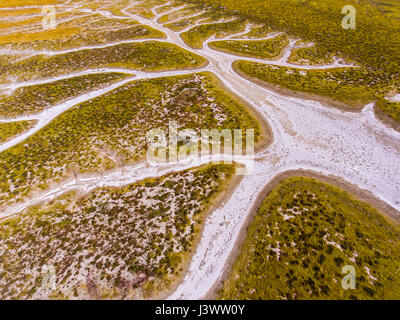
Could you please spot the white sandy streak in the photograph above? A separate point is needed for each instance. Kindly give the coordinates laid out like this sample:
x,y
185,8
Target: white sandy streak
x,y
49,115
117,178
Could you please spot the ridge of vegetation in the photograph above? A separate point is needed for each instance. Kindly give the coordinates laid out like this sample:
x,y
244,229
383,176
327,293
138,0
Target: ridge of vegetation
x,y
301,237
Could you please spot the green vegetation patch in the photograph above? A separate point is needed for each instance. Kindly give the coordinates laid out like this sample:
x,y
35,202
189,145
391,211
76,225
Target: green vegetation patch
x,y
116,6
30,29
168,7
259,32
11,129
36,98
144,8
389,108
353,87
12,12
374,43
262,49
22,3
208,16
197,35
110,131
6,60
90,37
147,56
127,243
302,236
177,15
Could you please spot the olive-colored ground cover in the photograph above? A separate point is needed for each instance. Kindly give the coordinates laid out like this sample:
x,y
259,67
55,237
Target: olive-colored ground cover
x,y
197,35
374,43
302,236
127,243
9,130
373,47
262,49
146,56
352,86
313,55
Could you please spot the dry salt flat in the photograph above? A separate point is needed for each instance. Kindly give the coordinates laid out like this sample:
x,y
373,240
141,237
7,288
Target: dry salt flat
x,y
355,147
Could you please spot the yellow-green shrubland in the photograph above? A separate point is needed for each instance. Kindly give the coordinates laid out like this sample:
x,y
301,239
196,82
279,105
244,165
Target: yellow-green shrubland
x,y
258,32
11,129
110,131
263,49
115,6
314,55
146,56
13,12
89,38
374,43
197,35
319,22
73,29
126,243
390,109
8,59
36,98
207,16
185,22
168,6
31,29
21,3
11,24
167,18
302,236
352,87
144,8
